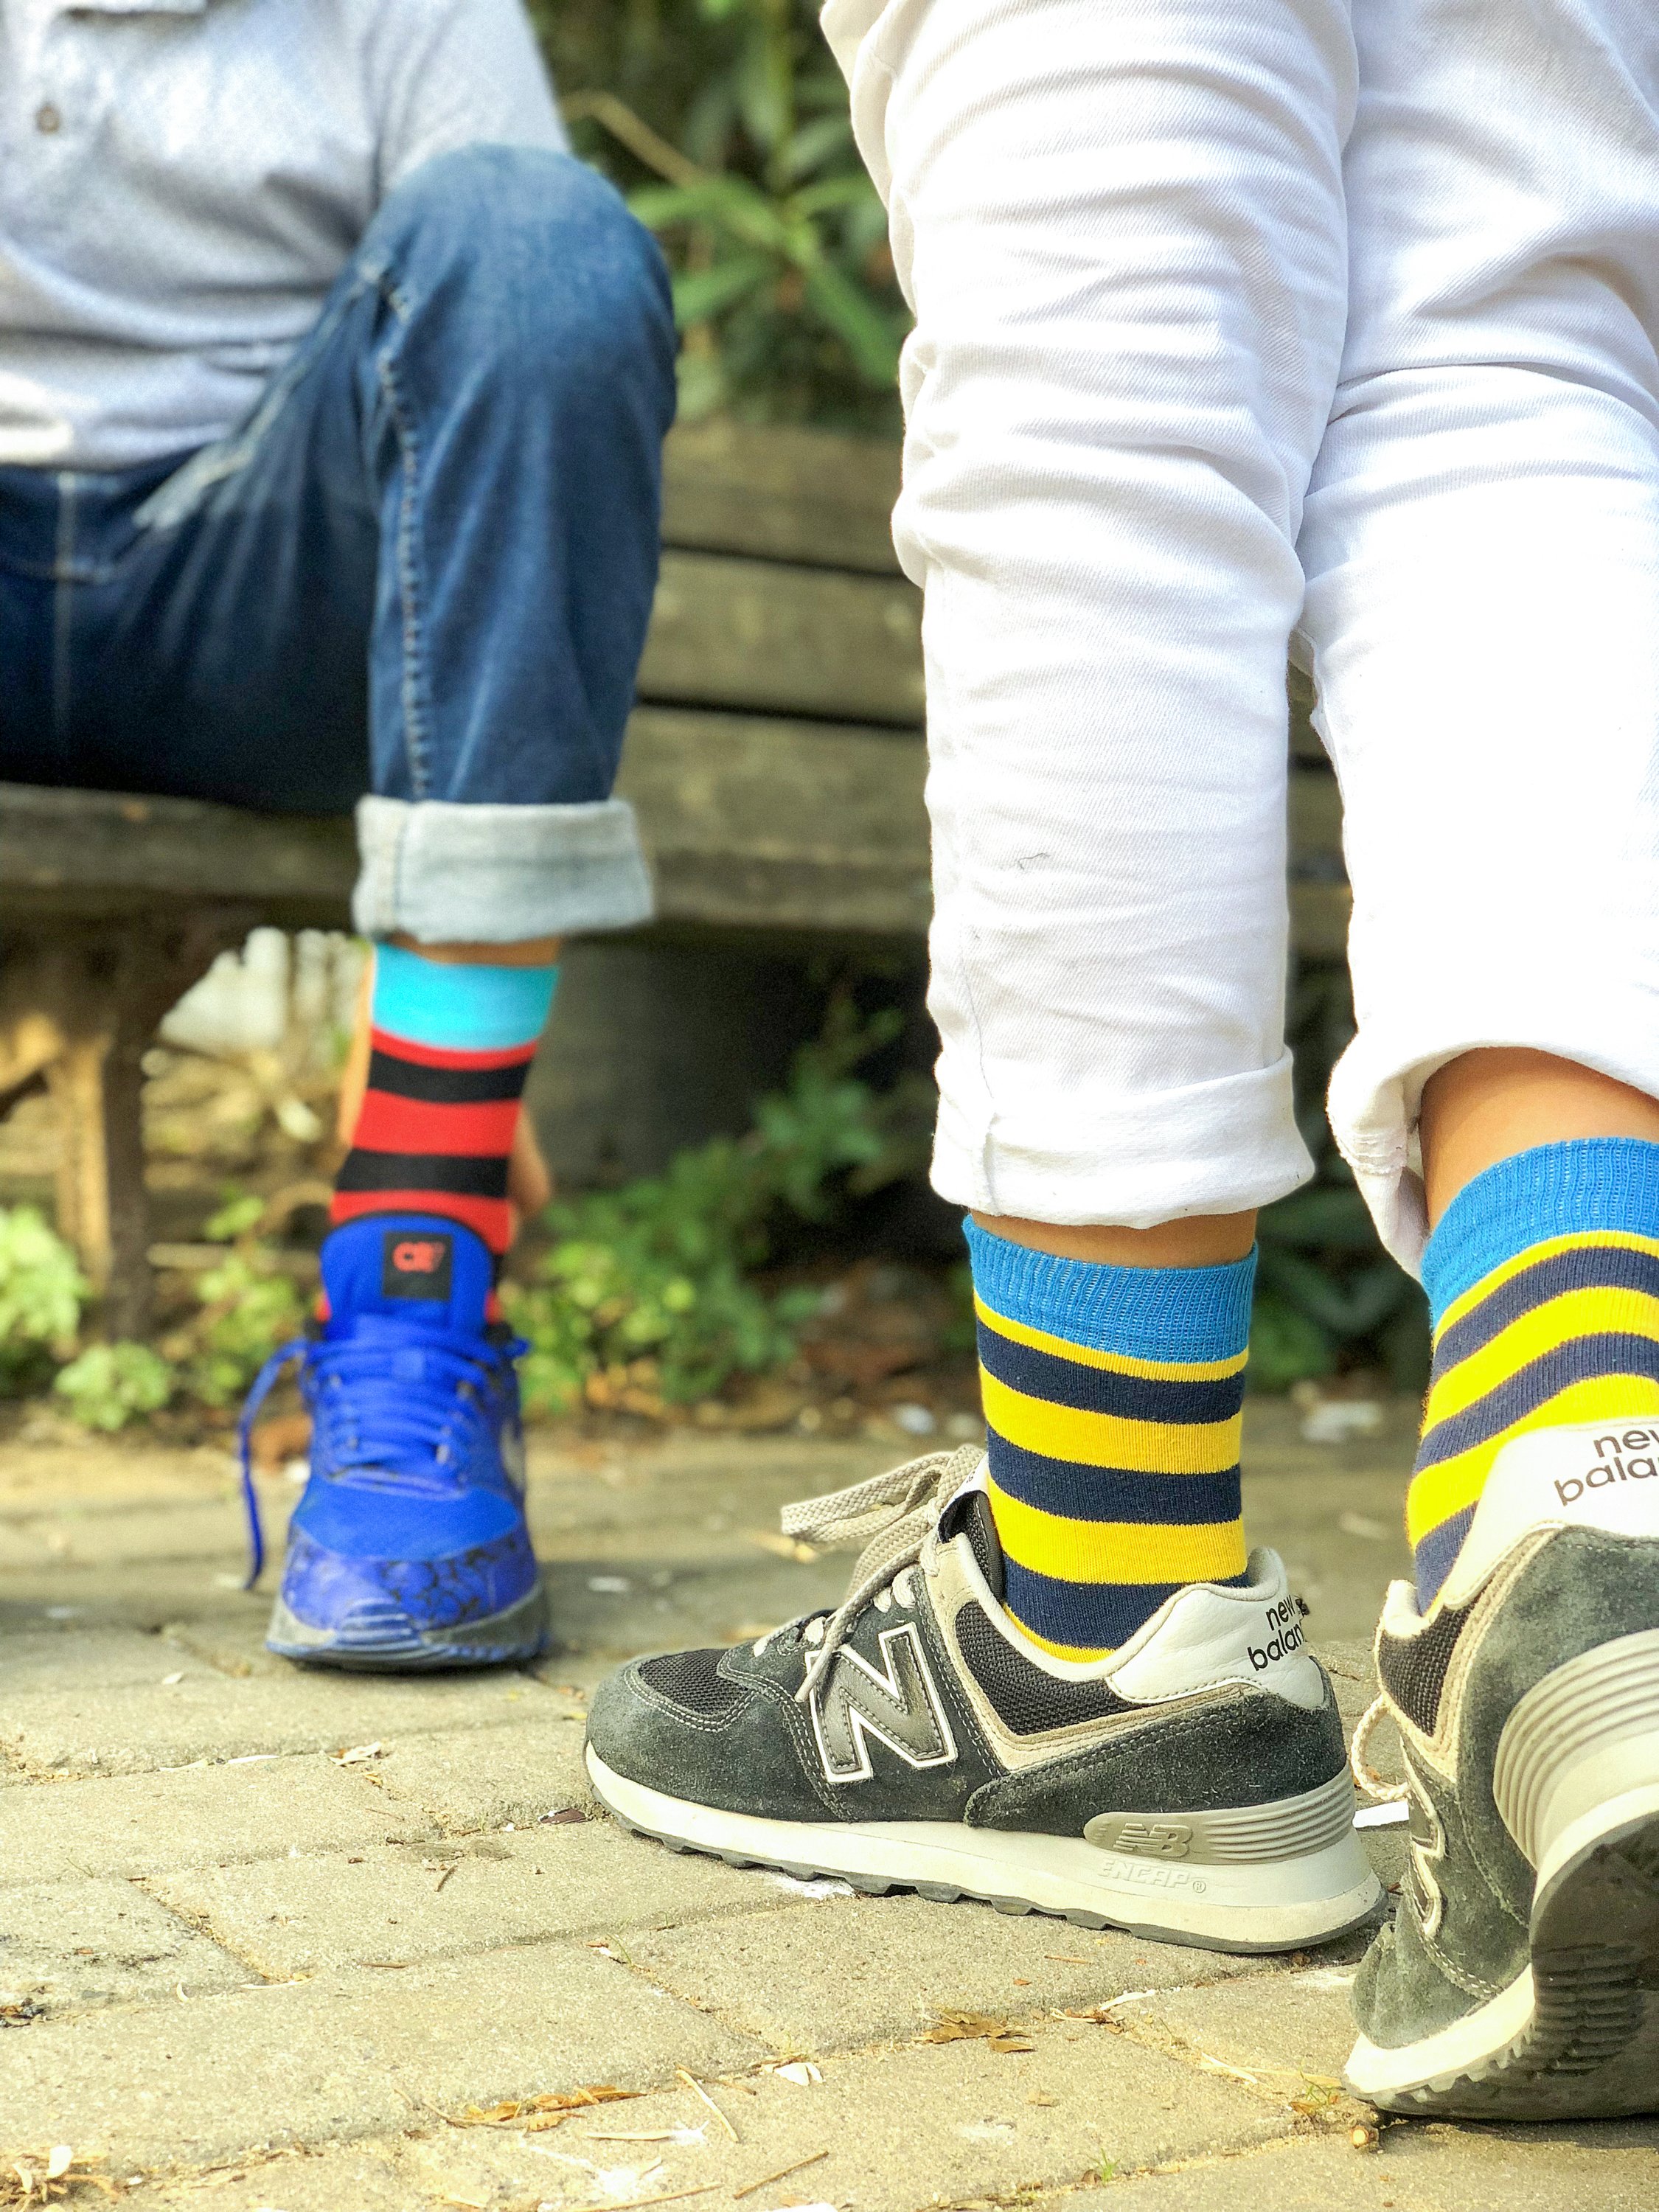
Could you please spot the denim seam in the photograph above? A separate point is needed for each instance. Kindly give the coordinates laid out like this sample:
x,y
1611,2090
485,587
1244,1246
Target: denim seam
x,y
172,502
63,608
414,686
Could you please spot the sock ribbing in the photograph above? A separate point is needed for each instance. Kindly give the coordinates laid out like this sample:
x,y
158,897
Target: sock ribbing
x,y
451,1047
1113,1401
1543,1281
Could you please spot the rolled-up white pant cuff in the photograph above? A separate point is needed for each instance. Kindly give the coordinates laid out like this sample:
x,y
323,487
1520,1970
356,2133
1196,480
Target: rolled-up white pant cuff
x,y
1216,1147
447,873
1376,1091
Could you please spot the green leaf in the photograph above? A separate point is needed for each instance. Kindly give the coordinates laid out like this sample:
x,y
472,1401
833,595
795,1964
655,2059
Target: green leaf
x,y
110,1383
867,332
704,294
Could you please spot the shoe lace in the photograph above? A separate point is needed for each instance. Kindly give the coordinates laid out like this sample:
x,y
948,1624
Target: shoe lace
x,y
415,1432
891,1515
1375,1787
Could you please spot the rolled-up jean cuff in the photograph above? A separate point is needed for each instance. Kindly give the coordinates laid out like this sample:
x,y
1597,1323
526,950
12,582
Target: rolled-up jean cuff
x,y
445,873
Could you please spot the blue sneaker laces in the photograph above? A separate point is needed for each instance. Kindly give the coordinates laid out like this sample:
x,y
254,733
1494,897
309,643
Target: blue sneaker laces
x,y
414,1431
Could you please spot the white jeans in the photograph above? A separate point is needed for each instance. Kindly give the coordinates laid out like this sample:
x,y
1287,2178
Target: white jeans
x,y
1237,319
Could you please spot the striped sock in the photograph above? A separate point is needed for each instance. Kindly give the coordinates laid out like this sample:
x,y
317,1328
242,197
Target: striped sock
x,y
1543,1284
1113,1399
451,1046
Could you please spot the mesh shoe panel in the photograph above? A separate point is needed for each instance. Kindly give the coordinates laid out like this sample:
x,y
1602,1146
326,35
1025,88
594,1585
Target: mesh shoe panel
x,y
1414,1667
1026,1699
689,1681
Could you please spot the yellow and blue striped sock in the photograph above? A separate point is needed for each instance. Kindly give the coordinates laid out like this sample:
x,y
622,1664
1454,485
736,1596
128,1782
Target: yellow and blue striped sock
x,y
1543,1284
1113,1403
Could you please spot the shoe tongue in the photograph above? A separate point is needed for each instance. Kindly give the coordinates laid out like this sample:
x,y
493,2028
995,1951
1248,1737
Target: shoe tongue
x,y
413,1267
970,1514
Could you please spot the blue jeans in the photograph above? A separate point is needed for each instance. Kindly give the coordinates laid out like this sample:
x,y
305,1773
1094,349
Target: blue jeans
x,y
420,570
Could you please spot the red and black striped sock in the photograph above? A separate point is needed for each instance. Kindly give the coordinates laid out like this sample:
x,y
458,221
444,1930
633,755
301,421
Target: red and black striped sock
x,y
451,1047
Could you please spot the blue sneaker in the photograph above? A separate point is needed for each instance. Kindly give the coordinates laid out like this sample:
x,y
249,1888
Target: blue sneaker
x,y
409,1548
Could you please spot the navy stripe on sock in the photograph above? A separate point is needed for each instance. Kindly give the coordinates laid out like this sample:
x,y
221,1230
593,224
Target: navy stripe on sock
x,y
1580,1359
1113,1493
1089,1616
445,1086
461,1174
1586,1267
1433,1559
1088,1390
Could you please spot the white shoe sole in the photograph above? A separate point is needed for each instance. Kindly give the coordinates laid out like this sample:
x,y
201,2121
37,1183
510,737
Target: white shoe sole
x,y
1280,1904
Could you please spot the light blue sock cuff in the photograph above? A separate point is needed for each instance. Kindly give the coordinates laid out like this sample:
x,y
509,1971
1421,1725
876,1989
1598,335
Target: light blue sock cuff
x,y
1144,1313
453,1004
1553,1190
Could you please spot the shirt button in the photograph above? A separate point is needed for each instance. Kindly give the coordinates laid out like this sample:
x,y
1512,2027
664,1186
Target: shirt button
x,y
47,119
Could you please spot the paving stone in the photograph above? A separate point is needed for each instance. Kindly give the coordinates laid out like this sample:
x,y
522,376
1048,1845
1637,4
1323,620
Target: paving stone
x,y
927,2124
484,1777
134,1729
344,2055
104,1474
1604,2167
299,1916
152,1597
210,1529
67,1657
836,1973
1283,2026
141,1825
66,1945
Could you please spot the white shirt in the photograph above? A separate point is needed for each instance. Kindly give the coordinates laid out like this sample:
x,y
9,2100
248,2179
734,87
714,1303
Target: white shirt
x,y
182,180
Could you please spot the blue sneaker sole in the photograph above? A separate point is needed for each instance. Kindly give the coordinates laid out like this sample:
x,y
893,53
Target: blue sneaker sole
x,y
499,1639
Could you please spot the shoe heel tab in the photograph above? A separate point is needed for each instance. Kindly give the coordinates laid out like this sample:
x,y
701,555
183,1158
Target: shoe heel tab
x,y
1590,1474
1209,1633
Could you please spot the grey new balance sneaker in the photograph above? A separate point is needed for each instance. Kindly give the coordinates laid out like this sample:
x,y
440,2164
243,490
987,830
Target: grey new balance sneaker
x,y
1521,1977
1191,1785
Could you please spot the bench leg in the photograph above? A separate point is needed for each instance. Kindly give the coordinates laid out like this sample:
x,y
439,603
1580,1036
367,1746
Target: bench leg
x,y
81,1008
75,1079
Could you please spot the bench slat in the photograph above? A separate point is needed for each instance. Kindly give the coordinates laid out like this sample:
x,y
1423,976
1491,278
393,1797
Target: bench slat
x,y
752,822
737,633
759,824
781,495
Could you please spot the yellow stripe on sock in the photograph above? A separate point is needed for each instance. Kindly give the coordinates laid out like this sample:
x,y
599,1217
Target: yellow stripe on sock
x,y
1114,1363
1439,1492
1107,1439
1117,1551
1546,1249
1571,1314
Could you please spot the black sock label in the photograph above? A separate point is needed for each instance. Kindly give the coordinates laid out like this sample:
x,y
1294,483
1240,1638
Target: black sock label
x,y
416,1264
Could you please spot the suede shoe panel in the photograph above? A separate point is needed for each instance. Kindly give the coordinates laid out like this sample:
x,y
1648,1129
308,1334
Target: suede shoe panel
x,y
1231,1748
1461,1933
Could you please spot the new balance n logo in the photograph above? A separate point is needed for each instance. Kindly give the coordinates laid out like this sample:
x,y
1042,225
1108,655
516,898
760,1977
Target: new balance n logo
x,y
900,1708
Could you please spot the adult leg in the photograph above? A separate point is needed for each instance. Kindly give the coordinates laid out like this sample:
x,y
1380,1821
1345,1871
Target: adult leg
x,y
442,526
1482,545
1121,231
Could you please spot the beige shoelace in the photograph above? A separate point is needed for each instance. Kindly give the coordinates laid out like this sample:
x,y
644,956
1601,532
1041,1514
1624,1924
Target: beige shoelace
x,y
1359,1760
890,1514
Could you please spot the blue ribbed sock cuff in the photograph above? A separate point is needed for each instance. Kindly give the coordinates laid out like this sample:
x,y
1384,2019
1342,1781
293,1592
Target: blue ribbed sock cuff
x,y
1144,1313
460,1005
1553,1190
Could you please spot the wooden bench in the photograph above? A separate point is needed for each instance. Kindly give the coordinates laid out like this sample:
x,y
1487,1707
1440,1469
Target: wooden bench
x,y
775,761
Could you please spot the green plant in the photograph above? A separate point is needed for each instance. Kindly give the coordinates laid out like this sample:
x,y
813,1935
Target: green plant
x,y
108,1383
646,1297
42,1293
737,116
248,1305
